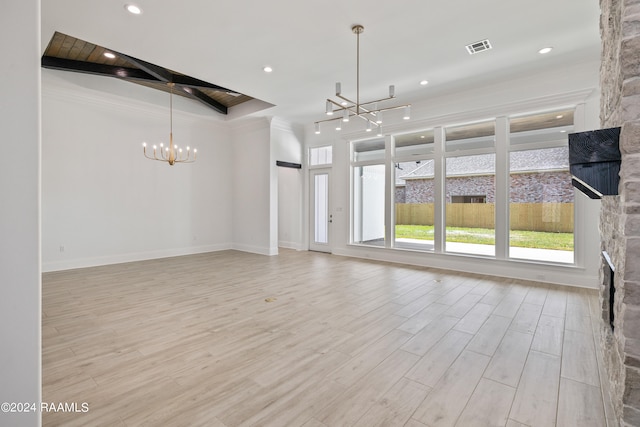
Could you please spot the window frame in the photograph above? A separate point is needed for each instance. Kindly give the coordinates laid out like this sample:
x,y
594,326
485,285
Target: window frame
x,y
501,149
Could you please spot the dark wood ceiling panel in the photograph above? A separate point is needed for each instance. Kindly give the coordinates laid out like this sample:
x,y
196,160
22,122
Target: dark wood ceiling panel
x,y
71,54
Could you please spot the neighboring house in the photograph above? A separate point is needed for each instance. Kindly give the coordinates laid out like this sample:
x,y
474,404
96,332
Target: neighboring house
x,y
536,176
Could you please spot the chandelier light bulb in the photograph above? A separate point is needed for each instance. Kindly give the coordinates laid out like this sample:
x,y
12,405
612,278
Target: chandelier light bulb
x,y
407,112
329,108
392,91
339,126
317,128
338,88
345,115
368,126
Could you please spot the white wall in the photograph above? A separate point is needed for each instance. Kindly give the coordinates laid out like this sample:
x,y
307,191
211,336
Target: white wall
x,y
286,146
252,222
20,371
102,201
529,93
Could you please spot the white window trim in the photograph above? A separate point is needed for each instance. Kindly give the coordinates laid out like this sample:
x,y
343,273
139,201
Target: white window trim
x,y
501,149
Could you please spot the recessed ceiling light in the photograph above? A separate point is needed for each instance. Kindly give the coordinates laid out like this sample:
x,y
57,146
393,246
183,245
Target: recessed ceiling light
x,y
134,9
545,50
267,69
424,82
563,131
109,55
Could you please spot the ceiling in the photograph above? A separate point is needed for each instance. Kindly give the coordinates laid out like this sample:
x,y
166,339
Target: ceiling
x,y
67,53
310,46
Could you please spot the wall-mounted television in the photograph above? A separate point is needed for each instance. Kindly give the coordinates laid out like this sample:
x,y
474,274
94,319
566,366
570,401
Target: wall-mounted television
x,y
594,161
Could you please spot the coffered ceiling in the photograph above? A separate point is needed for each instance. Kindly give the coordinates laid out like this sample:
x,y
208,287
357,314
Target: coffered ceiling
x,y
310,46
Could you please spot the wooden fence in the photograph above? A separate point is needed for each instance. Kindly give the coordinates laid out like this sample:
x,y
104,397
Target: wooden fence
x,y
550,217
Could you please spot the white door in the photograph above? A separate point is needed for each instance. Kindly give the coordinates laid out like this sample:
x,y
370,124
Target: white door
x,y
320,212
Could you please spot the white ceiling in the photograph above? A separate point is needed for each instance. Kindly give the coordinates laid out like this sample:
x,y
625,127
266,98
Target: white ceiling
x,y
310,45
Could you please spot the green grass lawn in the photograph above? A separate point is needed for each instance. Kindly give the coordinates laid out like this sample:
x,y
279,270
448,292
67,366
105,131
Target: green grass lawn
x,y
485,236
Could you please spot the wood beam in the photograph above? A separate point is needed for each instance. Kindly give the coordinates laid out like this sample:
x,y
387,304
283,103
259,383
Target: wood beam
x,y
166,75
150,73
198,95
156,71
53,63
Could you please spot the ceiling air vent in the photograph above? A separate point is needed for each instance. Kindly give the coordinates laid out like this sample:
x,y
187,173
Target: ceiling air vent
x,y
479,46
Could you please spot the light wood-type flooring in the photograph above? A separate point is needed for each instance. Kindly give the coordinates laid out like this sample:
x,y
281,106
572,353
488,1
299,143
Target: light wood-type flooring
x,y
310,339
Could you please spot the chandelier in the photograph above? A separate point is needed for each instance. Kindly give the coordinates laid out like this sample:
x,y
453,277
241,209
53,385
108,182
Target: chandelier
x,y
172,153
368,111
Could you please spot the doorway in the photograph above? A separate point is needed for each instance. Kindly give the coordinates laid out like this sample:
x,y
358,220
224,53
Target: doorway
x,y
321,218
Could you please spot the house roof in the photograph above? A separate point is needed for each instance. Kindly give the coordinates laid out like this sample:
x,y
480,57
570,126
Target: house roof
x,y
520,161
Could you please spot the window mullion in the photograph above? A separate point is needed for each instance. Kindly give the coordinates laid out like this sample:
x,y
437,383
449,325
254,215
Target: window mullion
x,y
502,188
389,193
439,193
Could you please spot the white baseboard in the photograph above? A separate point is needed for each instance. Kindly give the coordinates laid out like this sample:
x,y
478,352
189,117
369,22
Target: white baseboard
x,y
555,274
260,250
72,264
290,245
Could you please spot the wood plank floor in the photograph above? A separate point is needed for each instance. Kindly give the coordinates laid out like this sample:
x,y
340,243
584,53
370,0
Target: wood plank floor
x,y
310,339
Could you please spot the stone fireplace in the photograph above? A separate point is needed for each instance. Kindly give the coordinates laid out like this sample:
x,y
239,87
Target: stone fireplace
x,y
620,215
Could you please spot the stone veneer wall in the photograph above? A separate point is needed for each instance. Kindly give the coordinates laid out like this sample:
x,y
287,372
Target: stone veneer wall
x,y
620,215
524,187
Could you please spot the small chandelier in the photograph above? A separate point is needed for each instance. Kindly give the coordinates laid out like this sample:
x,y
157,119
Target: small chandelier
x,y
367,111
172,153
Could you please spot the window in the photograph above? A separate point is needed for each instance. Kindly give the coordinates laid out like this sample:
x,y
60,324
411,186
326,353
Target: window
x,y
320,155
470,190
470,227
369,192
414,190
469,199
414,203
369,205
541,197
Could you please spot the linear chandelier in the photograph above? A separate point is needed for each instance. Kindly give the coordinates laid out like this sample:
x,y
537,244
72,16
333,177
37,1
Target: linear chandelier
x,y
171,154
367,111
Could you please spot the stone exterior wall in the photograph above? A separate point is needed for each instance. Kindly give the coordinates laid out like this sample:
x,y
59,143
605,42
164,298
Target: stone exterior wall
x,y
537,187
471,186
419,191
620,215
548,187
